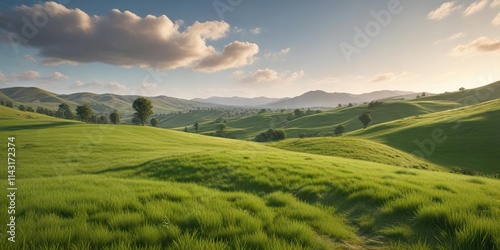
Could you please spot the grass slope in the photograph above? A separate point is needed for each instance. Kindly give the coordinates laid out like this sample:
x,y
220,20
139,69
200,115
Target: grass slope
x,y
465,137
355,148
86,186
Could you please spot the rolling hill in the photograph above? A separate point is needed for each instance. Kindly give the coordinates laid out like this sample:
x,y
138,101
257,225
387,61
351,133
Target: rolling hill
x,y
318,98
464,137
239,101
88,186
101,103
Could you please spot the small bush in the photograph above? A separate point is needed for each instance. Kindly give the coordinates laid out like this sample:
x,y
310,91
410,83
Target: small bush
x,y
271,135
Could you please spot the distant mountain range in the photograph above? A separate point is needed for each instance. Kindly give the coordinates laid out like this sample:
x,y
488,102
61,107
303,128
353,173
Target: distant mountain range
x,y
312,99
107,103
239,101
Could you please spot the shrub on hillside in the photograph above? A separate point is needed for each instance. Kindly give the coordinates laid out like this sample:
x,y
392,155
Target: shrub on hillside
x,y
271,135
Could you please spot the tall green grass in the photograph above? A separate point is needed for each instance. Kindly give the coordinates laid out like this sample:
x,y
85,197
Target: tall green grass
x,y
116,187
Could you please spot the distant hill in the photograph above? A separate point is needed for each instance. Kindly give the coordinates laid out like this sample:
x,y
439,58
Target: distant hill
x,y
238,101
320,98
101,103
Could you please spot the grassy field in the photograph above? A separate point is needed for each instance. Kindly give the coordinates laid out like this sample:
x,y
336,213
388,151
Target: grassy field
x,y
356,148
465,137
85,186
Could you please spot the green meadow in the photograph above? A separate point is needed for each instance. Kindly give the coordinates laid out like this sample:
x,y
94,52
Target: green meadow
x,y
88,186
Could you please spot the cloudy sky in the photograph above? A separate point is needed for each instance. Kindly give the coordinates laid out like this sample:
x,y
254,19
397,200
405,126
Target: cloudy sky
x,y
248,48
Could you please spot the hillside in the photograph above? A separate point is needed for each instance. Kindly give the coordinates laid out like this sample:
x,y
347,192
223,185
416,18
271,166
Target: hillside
x,y
101,186
238,101
355,148
470,96
101,103
320,98
248,127
464,137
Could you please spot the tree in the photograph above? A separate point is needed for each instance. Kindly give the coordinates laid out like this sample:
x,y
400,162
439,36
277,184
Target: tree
x,y
85,113
154,122
339,130
9,104
30,109
196,127
2,102
339,106
423,94
461,89
350,105
114,118
271,135
135,120
185,129
365,118
221,130
64,111
40,110
298,113
22,108
103,119
143,108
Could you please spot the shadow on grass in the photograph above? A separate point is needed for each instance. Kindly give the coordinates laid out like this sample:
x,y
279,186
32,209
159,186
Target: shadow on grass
x,y
209,174
36,126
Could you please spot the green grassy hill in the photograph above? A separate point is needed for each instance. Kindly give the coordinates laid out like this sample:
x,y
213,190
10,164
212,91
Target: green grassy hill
x,y
470,96
465,137
355,148
88,186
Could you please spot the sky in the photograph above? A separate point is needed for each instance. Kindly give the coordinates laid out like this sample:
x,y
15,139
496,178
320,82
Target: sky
x,y
248,48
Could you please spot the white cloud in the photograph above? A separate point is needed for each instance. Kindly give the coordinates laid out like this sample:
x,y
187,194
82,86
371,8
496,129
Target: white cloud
x,y
391,77
31,75
480,45
235,54
443,11
475,7
116,86
256,30
452,37
125,39
496,20
383,77
495,3
267,75
112,86
57,75
2,77
93,84
280,55
24,76
238,30
29,58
